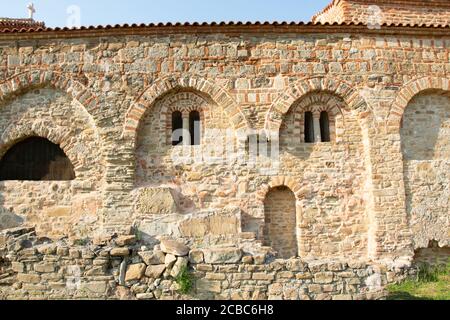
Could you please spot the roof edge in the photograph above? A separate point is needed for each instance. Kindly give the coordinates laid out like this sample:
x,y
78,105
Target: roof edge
x,y
223,27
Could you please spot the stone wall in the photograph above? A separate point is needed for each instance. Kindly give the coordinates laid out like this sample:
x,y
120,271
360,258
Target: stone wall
x,y
433,255
55,208
120,268
106,97
426,150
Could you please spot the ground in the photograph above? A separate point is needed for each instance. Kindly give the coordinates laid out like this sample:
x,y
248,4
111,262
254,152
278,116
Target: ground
x,y
434,286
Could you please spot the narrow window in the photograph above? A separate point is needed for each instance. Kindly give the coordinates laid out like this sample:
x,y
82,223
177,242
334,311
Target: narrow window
x,y
194,127
36,159
309,127
325,126
177,128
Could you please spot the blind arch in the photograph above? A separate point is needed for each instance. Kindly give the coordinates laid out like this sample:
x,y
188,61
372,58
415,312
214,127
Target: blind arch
x,y
36,159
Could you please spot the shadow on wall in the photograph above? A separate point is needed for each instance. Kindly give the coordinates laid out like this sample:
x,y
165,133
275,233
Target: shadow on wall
x,y
8,219
433,255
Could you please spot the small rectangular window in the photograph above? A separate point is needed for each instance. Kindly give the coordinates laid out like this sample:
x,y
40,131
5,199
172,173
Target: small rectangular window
x,y
309,127
177,128
325,127
194,127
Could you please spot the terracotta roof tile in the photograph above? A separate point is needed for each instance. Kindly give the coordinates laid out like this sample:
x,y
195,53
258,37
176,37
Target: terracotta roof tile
x,y
20,24
40,27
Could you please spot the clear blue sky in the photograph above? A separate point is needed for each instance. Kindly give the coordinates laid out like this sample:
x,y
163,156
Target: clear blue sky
x,y
95,12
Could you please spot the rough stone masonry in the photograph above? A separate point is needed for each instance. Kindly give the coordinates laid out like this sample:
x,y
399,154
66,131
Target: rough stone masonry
x,y
352,193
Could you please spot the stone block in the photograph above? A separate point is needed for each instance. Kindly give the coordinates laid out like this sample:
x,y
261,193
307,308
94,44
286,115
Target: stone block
x,y
152,257
145,296
44,267
28,278
126,240
155,272
208,286
211,224
170,261
120,252
156,201
342,297
324,277
94,287
223,256
135,272
181,263
18,267
262,276
174,247
196,257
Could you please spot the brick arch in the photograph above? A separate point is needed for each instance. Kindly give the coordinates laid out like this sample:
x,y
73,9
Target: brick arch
x,y
410,90
146,101
168,105
41,78
34,79
353,100
281,181
315,102
57,135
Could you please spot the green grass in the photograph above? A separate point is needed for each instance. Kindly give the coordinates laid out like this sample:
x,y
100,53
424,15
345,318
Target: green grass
x,y
430,284
185,281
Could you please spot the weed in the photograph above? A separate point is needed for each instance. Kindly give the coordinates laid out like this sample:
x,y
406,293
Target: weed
x,y
185,281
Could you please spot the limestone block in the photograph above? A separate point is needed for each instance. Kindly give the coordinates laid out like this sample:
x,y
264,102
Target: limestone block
x,y
155,272
247,260
296,265
178,266
94,287
170,261
209,286
126,240
221,222
18,267
120,252
44,267
156,201
196,257
28,278
135,272
324,277
101,261
102,240
175,248
223,255
145,296
152,257
96,271
48,249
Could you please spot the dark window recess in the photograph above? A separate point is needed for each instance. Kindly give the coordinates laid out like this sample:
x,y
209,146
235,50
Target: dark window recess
x,y
309,127
36,159
177,126
325,127
194,128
